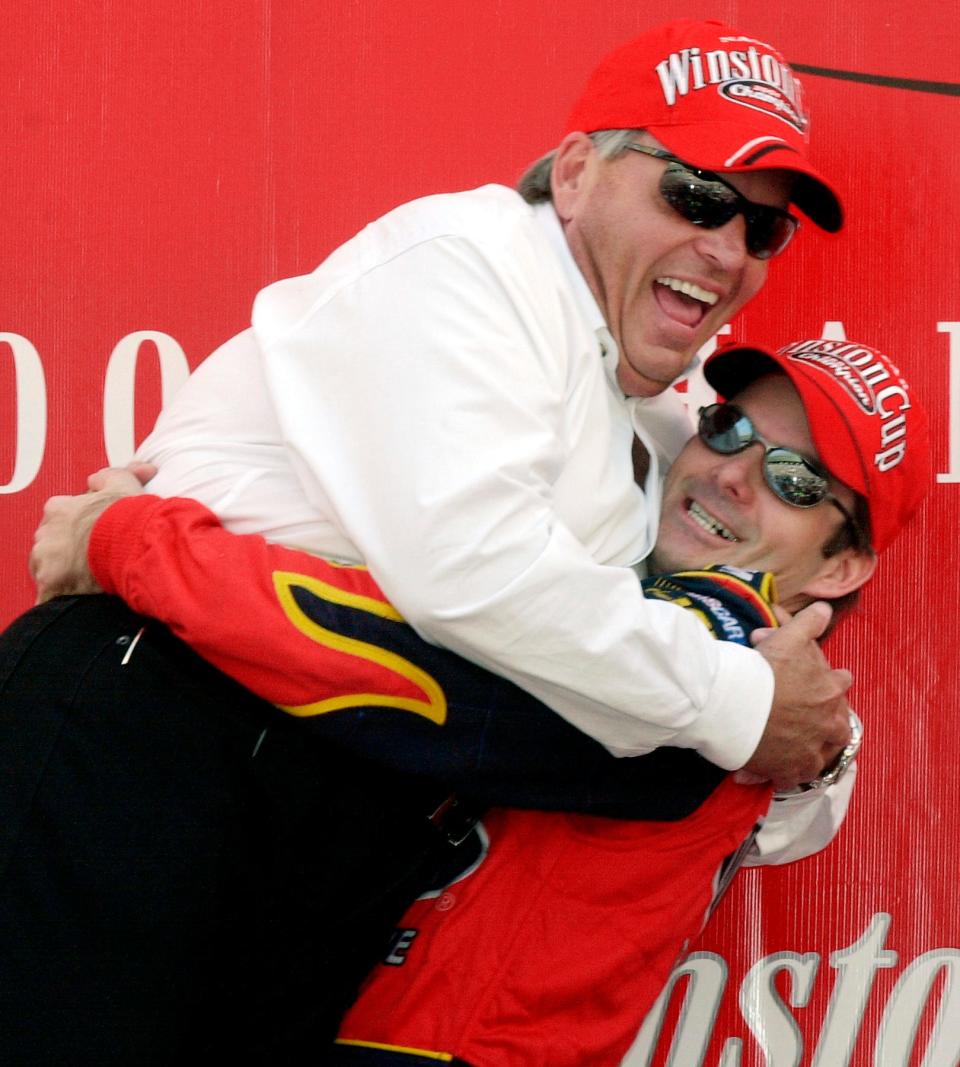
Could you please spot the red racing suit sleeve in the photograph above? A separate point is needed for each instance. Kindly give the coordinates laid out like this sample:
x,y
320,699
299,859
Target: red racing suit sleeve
x,y
231,598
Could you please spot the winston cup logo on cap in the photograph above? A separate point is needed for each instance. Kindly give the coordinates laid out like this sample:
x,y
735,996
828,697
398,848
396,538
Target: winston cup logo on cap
x,y
871,381
751,76
766,98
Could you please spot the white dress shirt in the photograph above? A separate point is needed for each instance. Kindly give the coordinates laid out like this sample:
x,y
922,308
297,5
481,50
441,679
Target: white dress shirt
x,y
438,399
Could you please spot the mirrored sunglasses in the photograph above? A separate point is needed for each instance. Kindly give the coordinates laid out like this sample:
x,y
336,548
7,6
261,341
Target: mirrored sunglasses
x,y
706,200
796,480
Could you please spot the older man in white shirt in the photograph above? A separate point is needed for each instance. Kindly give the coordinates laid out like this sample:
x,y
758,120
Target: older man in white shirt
x,y
458,394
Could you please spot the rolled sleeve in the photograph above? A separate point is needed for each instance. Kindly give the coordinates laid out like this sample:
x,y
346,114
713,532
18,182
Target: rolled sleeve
x,y
732,720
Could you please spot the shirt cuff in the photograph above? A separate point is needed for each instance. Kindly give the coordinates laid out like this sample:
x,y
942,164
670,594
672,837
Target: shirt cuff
x,y
730,725
116,534
797,826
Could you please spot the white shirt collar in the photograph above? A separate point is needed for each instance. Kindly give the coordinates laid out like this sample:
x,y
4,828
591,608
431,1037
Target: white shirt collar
x,y
547,218
546,215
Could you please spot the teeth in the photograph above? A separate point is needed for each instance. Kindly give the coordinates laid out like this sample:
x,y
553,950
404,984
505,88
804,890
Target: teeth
x,y
689,289
709,523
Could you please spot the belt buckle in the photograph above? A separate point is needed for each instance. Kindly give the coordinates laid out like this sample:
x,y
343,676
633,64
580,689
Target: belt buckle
x,y
452,820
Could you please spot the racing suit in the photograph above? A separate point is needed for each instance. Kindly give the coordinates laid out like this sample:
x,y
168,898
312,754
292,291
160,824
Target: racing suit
x,y
553,942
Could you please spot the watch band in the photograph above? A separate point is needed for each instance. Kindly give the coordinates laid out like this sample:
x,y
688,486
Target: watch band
x,y
835,770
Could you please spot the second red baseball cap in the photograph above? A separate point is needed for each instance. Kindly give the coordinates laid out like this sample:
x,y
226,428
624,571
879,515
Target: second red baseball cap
x,y
716,98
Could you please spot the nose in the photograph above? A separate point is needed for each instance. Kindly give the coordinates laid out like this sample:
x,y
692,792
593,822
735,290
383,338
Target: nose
x,y
726,246
741,475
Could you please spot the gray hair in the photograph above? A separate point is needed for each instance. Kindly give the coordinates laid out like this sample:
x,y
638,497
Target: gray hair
x,y
534,183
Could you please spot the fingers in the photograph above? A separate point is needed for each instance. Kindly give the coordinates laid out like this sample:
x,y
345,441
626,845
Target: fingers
x,y
844,677
117,480
743,777
796,748
142,471
808,624
809,720
58,559
838,731
51,508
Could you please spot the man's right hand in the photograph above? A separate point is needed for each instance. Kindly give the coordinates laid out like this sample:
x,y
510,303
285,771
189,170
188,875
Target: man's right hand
x,y
809,721
58,560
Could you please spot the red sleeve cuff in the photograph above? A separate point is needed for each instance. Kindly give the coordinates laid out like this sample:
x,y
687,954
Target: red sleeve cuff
x,y
118,536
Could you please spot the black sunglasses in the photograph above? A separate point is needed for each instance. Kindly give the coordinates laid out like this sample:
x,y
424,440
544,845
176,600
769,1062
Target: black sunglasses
x,y
705,199
796,480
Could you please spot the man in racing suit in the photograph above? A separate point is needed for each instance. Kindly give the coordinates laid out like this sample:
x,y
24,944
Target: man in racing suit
x,y
608,892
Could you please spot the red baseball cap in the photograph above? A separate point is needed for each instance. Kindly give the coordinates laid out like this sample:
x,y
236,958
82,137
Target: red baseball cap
x,y
717,99
868,426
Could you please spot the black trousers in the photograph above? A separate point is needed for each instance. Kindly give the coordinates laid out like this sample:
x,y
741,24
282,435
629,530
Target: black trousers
x,y
183,872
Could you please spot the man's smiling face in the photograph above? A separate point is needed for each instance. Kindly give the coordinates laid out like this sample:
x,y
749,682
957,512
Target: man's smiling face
x,y
719,509
663,284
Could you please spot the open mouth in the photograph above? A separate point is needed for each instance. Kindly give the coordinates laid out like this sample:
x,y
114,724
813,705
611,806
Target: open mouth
x,y
684,301
707,522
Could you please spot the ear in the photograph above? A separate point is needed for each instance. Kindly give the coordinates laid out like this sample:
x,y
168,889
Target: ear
x,y
573,173
841,574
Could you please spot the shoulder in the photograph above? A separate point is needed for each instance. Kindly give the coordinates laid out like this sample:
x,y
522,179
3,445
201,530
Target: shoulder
x,y
477,235
490,217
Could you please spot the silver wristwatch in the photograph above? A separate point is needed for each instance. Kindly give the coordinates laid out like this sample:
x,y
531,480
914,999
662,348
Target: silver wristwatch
x,y
835,770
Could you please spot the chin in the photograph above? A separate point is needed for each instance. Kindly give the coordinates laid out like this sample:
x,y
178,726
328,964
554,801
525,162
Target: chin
x,y
651,369
678,548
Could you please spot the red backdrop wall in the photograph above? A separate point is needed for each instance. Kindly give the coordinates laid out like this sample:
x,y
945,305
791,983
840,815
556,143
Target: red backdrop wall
x,y
162,164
